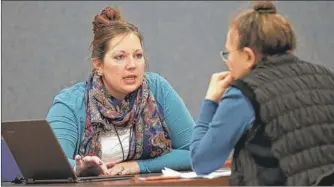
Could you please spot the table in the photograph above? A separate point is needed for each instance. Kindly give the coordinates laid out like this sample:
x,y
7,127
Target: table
x,y
221,181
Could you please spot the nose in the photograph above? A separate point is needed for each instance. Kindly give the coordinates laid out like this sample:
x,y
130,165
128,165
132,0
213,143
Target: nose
x,y
131,63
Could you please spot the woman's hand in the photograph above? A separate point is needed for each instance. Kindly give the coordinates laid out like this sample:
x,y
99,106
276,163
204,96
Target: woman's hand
x,y
89,166
124,168
228,163
218,84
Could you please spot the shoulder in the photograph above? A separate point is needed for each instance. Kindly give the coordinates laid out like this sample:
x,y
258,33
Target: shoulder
x,y
157,83
233,92
155,79
162,90
72,96
235,100
233,97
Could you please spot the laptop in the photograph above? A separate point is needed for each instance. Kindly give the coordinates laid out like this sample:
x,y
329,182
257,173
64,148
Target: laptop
x,y
39,155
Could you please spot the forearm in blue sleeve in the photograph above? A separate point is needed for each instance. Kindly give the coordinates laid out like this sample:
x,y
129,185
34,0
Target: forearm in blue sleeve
x,y
177,159
63,124
218,129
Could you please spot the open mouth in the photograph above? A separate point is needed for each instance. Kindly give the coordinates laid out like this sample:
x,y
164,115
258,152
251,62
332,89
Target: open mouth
x,y
130,79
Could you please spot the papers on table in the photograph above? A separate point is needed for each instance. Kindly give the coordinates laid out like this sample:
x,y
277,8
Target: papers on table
x,y
187,175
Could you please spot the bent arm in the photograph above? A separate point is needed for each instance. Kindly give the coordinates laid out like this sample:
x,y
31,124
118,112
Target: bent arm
x,y
218,129
179,122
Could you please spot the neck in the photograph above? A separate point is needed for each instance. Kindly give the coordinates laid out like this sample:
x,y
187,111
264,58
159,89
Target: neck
x,y
119,96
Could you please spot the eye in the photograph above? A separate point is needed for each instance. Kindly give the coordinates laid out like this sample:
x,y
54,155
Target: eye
x,y
138,55
225,54
119,57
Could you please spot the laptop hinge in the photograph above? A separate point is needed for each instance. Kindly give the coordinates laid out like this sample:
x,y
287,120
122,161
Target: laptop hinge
x,y
30,180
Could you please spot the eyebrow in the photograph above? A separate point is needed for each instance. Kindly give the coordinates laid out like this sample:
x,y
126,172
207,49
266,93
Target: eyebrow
x,y
138,50
122,51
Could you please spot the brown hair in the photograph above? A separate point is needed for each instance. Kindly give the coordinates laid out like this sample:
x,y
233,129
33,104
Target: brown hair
x,y
106,26
264,30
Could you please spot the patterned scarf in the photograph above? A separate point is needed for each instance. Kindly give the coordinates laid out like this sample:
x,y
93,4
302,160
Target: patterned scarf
x,y
138,111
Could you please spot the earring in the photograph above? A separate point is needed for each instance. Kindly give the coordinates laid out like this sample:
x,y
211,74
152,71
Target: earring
x,y
99,72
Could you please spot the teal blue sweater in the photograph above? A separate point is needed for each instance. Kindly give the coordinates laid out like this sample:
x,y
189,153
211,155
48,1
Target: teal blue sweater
x,y
68,113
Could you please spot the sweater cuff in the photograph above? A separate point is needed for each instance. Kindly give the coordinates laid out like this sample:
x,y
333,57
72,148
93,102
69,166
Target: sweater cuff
x,y
142,166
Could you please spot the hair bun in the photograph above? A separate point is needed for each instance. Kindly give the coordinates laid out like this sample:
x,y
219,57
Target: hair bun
x,y
107,16
265,7
111,14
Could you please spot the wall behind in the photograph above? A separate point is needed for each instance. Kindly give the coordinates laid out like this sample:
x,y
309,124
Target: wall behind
x,y
45,45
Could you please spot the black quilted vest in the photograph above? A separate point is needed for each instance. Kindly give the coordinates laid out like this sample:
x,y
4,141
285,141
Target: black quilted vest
x,y
292,139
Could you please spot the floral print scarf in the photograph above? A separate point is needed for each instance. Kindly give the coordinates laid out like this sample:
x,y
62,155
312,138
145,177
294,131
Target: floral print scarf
x,y
138,111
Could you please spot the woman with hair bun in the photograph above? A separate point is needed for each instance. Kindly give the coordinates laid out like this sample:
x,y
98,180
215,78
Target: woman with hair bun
x,y
121,120
275,110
